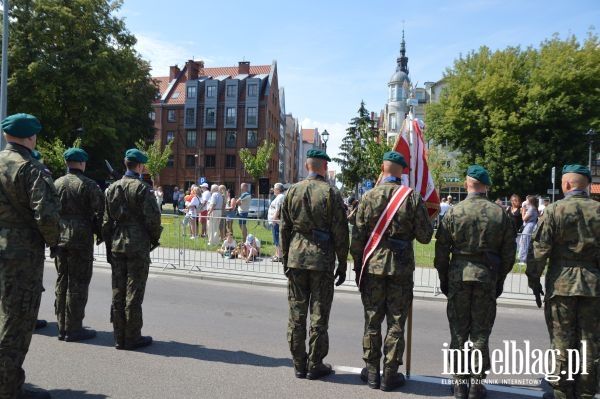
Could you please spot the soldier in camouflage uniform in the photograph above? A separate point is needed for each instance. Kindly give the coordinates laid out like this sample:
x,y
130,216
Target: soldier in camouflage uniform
x,y
567,235
314,231
81,216
29,215
387,280
132,227
474,251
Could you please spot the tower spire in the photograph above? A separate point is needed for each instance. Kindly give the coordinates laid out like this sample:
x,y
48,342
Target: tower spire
x,y
402,61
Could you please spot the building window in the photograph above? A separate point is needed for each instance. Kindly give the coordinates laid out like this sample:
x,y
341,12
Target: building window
x,y
211,91
231,91
170,136
211,138
393,123
191,92
230,161
252,90
252,139
190,161
210,116
210,161
251,115
152,115
171,115
230,116
170,161
393,93
190,116
190,139
230,138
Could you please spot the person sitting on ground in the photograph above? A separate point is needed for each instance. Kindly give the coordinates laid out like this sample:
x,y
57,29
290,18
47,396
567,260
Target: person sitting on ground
x,y
228,246
251,248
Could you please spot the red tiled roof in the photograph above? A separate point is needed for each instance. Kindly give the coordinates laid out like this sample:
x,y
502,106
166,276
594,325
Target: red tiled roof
x,y
308,135
595,189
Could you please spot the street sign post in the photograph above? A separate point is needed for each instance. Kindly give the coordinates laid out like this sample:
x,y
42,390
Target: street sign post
x,y
553,180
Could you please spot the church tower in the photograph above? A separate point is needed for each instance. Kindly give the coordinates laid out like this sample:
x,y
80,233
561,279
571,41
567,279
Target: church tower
x,y
398,92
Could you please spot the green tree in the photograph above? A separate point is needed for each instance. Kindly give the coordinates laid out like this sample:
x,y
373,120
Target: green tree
x,y
520,112
256,164
361,151
157,157
73,65
441,166
53,155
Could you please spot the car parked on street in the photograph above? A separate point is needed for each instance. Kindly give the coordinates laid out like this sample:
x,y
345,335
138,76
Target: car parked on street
x,y
258,208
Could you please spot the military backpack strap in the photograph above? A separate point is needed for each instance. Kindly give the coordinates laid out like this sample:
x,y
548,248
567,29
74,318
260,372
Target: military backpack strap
x,y
385,218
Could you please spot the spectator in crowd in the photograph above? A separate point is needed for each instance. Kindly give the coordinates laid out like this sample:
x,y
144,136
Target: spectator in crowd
x,y
543,206
444,206
193,204
530,217
230,211
243,206
175,200
228,246
514,211
213,211
203,209
273,216
251,248
225,194
158,193
449,198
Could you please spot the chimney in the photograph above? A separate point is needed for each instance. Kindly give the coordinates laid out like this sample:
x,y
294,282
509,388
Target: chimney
x,y
173,72
192,70
244,67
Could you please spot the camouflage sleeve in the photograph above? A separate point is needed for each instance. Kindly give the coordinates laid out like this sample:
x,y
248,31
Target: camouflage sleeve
x,y
339,228
441,260
423,226
508,247
45,203
151,214
286,225
540,246
96,201
359,235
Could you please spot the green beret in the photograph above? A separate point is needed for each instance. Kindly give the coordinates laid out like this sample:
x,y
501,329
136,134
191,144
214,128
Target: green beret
x,y
21,125
395,157
480,174
318,154
35,154
75,155
135,155
580,169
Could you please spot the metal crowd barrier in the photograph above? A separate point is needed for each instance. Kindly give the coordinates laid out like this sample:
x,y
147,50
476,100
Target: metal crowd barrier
x,y
177,251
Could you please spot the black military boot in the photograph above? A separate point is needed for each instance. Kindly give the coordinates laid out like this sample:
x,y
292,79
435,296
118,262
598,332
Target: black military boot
x,y
371,376
391,380
79,335
28,394
318,371
477,390
140,342
460,390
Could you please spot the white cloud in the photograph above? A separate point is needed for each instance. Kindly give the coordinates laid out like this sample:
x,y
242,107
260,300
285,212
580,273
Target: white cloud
x,y
162,54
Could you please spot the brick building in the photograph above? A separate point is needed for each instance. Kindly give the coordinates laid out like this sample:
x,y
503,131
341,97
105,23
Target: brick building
x,y
210,114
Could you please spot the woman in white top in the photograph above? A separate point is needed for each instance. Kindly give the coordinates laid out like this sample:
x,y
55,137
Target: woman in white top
x,y
215,207
193,207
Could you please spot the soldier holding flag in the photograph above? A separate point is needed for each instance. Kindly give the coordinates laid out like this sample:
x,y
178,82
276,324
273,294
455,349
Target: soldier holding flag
x,y
388,219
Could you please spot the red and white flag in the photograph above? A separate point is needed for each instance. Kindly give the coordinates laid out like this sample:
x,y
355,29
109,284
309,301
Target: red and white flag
x,y
402,146
423,181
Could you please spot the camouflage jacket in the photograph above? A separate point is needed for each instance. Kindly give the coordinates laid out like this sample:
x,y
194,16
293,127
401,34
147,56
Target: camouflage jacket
x,y
131,218
82,209
568,235
470,230
313,204
410,221
29,206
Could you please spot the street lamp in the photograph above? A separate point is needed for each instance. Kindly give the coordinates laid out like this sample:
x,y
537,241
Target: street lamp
x,y
325,138
197,160
591,134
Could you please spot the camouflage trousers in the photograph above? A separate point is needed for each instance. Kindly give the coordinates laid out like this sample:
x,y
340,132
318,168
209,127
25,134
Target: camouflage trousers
x,y
471,314
309,290
74,269
386,297
570,320
20,295
129,276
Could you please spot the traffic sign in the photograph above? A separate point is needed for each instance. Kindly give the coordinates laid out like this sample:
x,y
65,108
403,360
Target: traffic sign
x,y
201,180
368,184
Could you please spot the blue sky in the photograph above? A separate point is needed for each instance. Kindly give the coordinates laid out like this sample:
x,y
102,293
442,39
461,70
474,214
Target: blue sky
x,y
331,55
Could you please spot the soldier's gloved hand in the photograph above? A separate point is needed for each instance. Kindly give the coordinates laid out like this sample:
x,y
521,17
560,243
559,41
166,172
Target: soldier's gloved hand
x,y
357,277
499,288
444,286
340,274
538,291
99,240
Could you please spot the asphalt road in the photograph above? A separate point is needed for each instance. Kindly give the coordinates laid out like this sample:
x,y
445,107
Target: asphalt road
x,y
228,340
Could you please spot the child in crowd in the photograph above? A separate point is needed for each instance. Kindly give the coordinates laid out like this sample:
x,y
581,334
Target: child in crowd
x,y
228,246
251,248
